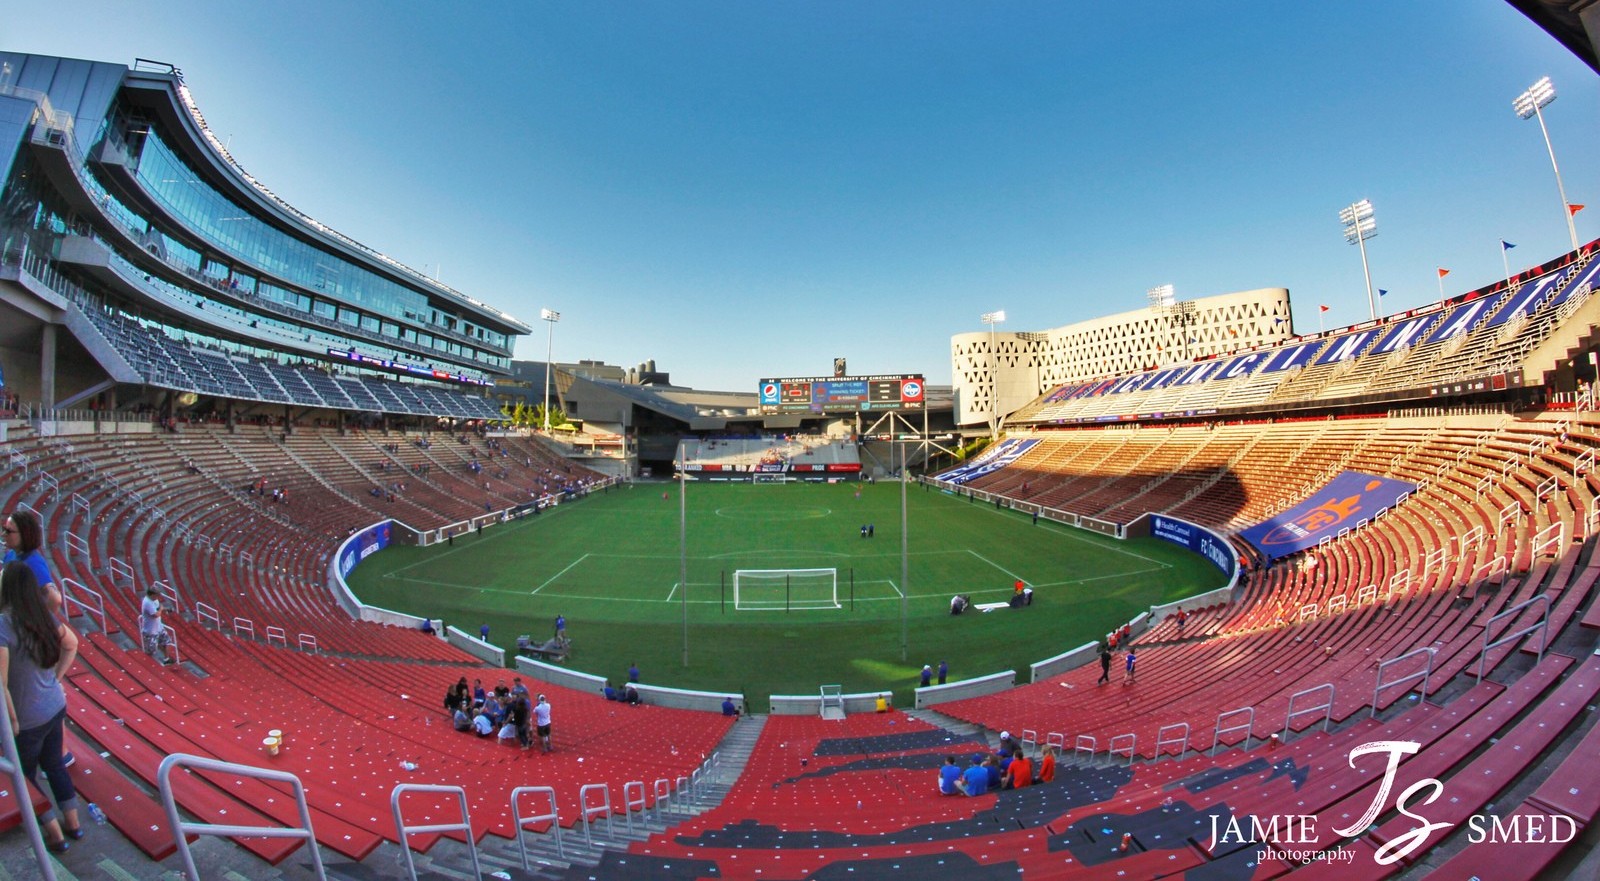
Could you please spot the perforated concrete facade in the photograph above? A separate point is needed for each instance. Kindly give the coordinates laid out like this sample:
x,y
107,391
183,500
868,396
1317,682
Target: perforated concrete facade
x,y
1032,363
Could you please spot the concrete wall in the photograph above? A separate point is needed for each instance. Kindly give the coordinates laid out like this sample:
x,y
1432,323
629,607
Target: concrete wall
x,y
472,645
955,691
561,676
1063,662
811,704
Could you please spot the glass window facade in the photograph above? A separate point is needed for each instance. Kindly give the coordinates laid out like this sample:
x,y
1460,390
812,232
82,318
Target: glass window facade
x,y
202,253
171,182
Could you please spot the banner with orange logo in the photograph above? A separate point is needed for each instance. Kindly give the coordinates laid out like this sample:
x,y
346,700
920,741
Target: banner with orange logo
x,y
1346,501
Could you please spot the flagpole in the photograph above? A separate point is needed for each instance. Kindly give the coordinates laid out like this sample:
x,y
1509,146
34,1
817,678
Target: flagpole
x,y
1441,275
1506,262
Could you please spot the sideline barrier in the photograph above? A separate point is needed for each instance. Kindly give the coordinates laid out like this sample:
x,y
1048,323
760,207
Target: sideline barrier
x,y
483,651
811,704
1068,660
685,699
955,691
573,679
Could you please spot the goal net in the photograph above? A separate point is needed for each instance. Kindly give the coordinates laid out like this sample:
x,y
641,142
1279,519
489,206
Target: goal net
x,y
755,589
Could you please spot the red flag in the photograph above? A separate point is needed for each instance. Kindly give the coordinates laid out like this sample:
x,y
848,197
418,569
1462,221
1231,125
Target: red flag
x,y
1573,209
1443,272
1322,308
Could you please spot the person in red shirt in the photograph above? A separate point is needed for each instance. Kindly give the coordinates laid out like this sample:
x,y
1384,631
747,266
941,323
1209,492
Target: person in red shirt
x,y
1047,765
1018,774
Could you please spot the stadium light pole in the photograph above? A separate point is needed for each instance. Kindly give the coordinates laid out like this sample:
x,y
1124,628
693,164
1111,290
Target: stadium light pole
x,y
991,319
550,316
905,560
683,546
1360,225
1161,298
1531,104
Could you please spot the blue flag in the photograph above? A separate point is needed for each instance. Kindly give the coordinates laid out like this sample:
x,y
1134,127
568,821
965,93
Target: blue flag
x,y
1382,292
1505,245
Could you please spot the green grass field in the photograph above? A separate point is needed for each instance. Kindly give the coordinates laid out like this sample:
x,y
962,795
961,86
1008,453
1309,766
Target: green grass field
x,y
611,565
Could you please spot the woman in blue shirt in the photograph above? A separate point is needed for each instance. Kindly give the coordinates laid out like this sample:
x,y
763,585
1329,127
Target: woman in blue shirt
x,y
23,539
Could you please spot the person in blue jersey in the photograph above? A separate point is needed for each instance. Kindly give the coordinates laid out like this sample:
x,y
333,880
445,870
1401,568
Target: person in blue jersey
x,y
949,777
975,779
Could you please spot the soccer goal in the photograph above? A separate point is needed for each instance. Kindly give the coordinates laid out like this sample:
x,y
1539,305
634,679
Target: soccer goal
x,y
755,589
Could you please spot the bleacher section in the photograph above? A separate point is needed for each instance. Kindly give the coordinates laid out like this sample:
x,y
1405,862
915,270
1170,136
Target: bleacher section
x,y
1474,338
163,361
799,453
1461,619
1488,486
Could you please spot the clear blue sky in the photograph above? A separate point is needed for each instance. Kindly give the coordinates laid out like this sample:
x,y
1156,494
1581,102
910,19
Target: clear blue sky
x,y
748,189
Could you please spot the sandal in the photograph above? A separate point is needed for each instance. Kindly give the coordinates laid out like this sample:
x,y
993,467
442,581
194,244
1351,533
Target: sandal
x,y
74,834
58,846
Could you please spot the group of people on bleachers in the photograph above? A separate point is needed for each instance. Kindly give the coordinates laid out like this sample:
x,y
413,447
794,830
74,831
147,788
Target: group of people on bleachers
x,y
1008,767
279,494
507,713
627,694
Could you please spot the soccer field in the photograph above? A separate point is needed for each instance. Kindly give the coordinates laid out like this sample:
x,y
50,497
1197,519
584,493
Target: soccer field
x,y
612,565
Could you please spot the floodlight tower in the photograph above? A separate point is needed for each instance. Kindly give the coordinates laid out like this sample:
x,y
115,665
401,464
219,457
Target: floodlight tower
x,y
1360,225
550,316
991,319
1531,103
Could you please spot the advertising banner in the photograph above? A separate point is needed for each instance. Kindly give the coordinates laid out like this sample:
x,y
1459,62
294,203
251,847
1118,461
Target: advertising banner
x,y
993,459
368,541
1346,500
1198,539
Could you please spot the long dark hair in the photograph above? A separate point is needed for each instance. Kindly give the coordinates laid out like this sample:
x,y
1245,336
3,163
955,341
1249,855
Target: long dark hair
x,y
37,634
30,536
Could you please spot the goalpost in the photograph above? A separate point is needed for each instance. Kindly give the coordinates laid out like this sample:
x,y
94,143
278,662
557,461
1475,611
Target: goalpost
x,y
755,589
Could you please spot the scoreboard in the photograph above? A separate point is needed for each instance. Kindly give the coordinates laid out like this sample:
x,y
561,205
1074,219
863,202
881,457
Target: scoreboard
x,y
842,394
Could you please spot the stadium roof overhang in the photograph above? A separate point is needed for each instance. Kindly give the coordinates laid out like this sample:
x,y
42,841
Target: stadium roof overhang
x,y
1574,23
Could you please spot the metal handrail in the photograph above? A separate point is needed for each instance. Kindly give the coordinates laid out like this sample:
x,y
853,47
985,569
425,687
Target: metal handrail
x,y
663,794
465,826
1542,628
586,813
181,829
1427,671
1163,740
19,789
633,796
553,817
69,587
1248,728
1327,708
1112,749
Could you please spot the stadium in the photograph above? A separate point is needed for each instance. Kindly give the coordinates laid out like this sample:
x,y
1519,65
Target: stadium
x,y
1356,567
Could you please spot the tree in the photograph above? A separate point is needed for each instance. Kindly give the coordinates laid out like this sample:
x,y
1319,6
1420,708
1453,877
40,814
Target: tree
x,y
557,417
